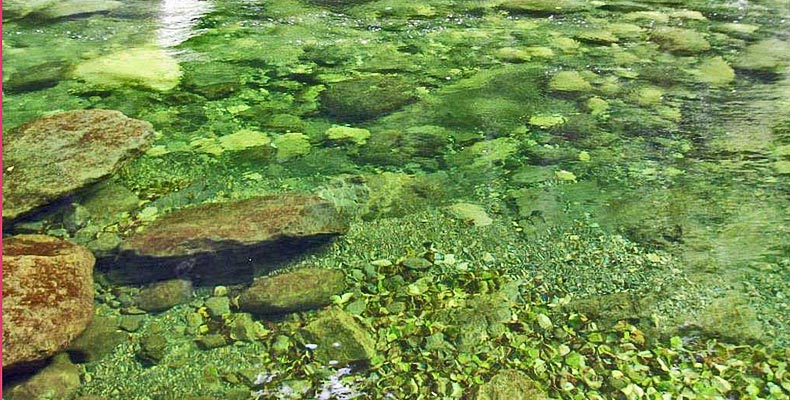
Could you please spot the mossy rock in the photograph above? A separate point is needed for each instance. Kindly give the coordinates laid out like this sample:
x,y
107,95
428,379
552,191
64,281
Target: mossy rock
x,y
213,80
339,337
544,7
680,40
303,289
569,82
495,102
366,97
510,384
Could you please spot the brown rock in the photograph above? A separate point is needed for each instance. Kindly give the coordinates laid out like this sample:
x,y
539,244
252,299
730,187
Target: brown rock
x,y
47,296
227,238
56,155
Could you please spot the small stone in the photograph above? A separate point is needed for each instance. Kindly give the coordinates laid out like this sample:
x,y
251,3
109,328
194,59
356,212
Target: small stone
x,y
132,323
510,384
211,341
381,263
153,348
220,291
98,340
679,40
218,306
416,263
245,328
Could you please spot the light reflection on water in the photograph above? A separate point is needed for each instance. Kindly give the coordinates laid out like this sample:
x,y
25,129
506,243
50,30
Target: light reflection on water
x,y
177,18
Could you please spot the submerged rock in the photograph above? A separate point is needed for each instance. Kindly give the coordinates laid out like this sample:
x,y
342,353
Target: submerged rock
x,y
164,295
58,380
56,155
304,289
366,97
337,336
542,7
227,239
47,296
148,68
679,40
510,384
70,8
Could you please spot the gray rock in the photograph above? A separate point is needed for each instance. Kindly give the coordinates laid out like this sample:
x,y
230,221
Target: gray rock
x,y
303,289
59,154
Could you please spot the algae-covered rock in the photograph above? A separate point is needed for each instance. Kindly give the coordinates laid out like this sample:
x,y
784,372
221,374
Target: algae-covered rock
x,y
512,54
339,337
98,340
357,136
768,55
544,7
485,153
471,213
496,101
680,40
244,139
303,289
510,384
366,97
13,9
715,71
569,81
291,145
163,295
70,8
597,36
146,67
56,155
59,380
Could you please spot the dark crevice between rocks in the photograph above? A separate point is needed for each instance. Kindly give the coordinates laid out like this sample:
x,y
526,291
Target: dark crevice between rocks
x,y
224,267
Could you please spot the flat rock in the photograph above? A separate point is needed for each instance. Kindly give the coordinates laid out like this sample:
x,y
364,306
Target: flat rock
x,y
47,296
149,68
337,336
59,154
227,239
303,289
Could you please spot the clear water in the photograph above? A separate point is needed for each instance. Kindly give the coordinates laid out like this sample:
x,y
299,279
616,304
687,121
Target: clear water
x,y
627,161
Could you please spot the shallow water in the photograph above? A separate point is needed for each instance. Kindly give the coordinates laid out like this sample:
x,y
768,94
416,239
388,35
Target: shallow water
x,y
635,150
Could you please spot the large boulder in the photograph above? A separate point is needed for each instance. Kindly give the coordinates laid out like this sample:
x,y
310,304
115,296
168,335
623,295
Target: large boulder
x,y
56,155
227,241
47,296
298,290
